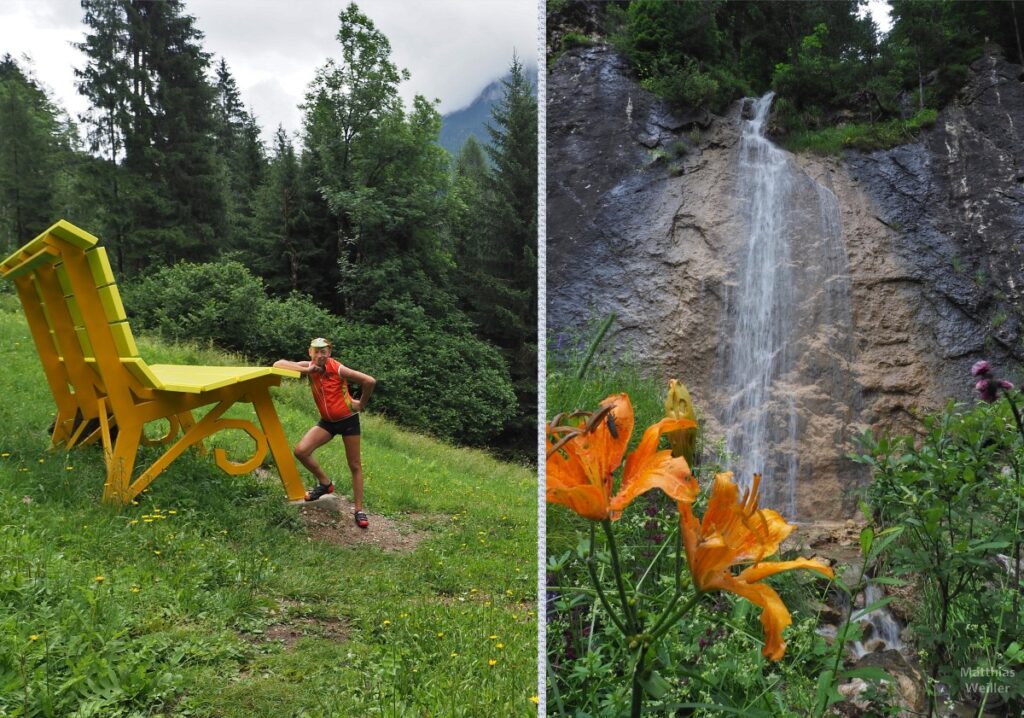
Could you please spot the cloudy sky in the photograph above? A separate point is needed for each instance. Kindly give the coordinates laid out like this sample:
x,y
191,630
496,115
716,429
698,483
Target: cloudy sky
x,y
452,48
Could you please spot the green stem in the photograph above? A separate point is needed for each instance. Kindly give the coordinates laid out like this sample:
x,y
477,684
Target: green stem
x,y
668,620
553,687
678,590
597,586
594,345
627,609
637,702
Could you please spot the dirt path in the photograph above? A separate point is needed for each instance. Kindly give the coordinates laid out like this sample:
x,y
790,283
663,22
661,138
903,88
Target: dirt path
x,y
329,519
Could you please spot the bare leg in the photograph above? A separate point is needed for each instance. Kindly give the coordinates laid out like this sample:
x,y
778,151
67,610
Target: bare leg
x,y
355,465
313,440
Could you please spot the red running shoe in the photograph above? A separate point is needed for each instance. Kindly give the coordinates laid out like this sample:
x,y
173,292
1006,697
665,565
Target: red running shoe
x,y
319,490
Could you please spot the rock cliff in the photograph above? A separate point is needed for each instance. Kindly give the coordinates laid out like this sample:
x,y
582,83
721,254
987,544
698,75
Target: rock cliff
x,y
642,221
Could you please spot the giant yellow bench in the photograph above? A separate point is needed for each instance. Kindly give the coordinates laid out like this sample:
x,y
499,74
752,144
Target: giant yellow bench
x,y
103,389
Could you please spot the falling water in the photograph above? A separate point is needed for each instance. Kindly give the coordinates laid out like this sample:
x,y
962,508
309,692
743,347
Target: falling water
x,y
881,630
791,293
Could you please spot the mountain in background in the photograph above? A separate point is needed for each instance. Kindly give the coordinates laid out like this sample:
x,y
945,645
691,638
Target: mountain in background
x,y
472,120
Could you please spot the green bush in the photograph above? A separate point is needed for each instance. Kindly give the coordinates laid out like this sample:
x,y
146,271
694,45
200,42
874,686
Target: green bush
x,y
956,489
860,136
205,303
433,375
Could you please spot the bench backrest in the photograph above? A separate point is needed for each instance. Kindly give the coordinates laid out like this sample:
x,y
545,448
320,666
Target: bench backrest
x,y
78,323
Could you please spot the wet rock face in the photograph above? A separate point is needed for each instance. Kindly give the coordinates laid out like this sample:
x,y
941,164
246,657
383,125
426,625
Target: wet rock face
x,y
642,220
954,205
614,216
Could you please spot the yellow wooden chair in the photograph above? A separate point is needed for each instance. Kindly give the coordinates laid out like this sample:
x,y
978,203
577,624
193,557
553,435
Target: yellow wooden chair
x,y
105,391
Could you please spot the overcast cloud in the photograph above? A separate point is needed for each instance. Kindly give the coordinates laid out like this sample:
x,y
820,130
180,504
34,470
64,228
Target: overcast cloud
x,y
452,48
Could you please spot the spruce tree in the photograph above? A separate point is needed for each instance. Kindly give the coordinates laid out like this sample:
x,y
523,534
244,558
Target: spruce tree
x,y
508,307
29,156
152,118
241,155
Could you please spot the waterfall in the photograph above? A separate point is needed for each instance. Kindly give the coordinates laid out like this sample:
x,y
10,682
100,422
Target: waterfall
x,y
787,316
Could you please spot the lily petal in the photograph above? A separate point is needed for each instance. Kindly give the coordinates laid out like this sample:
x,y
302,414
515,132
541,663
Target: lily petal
x,y
647,468
770,568
587,501
774,614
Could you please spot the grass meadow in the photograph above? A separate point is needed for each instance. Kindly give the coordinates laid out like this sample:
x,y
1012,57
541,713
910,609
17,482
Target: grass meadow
x,y
212,597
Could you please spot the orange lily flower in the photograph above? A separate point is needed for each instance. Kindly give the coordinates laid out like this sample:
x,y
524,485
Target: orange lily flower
x,y
734,532
580,467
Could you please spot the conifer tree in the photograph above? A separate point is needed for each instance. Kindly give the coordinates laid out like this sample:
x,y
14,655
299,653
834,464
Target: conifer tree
x,y
152,117
241,154
29,154
281,250
508,309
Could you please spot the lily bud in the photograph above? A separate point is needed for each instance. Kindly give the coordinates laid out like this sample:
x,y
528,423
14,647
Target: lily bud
x,y
679,405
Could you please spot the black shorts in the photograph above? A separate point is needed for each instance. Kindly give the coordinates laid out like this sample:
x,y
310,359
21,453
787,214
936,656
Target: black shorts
x,y
349,426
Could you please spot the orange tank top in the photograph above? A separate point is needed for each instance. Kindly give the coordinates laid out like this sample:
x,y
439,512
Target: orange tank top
x,y
330,392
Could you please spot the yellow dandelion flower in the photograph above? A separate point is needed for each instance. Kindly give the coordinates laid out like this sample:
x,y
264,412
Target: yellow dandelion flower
x,y
472,590
148,521
135,503
499,646
172,512
157,553
42,461
440,634
135,589
70,468
133,522
493,638
535,700
387,623
5,454
492,662
508,592
33,637
100,579
455,654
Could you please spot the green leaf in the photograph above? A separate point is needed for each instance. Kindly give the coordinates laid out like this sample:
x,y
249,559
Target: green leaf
x,y
825,693
989,545
886,581
857,615
656,686
867,673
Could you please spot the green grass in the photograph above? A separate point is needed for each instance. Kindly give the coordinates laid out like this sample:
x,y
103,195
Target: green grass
x,y
609,373
860,136
186,618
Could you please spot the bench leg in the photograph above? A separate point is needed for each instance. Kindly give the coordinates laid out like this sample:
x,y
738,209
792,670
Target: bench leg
x,y
187,421
279,446
120,458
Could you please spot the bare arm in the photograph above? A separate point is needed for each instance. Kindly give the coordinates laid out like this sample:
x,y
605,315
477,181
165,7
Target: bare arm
x,y
365,381
303,367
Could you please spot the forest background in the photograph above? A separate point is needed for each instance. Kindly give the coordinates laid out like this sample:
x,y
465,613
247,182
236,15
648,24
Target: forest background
x,y
421,267
839,82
